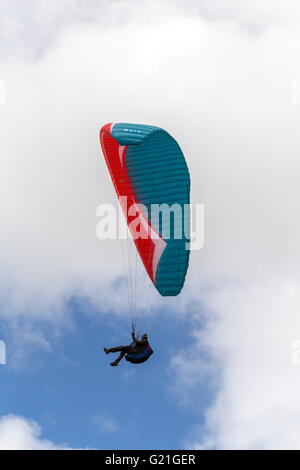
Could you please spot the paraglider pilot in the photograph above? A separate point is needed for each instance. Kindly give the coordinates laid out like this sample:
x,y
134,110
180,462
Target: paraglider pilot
x,y
137,352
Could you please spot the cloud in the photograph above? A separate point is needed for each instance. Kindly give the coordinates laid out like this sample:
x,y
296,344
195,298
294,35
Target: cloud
x,y
54,177
246,354
19,433
105,424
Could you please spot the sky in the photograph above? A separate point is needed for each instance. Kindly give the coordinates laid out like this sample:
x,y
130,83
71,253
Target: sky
x,y
223,77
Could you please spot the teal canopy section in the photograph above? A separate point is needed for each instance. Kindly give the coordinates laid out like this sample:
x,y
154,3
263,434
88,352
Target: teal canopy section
x,y
131,134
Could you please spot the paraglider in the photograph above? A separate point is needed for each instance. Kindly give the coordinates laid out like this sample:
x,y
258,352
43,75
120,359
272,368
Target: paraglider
x,y
152,182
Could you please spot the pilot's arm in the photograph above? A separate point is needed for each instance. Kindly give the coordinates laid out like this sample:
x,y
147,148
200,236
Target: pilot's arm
x,y
136,341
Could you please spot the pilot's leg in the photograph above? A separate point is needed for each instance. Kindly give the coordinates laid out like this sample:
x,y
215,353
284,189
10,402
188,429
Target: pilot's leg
x,y
117,349
116,362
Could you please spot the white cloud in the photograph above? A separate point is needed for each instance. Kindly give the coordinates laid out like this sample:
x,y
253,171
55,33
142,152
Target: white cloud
x,y
247,348
19,433
105,424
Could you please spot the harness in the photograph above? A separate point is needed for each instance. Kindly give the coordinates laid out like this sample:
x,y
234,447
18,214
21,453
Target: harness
x,y
137,357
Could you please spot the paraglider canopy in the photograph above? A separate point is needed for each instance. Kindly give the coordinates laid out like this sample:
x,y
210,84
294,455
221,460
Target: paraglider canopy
x,y
149,171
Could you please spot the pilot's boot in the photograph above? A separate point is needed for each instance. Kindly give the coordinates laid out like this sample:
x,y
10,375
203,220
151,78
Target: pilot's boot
x,y
116,362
